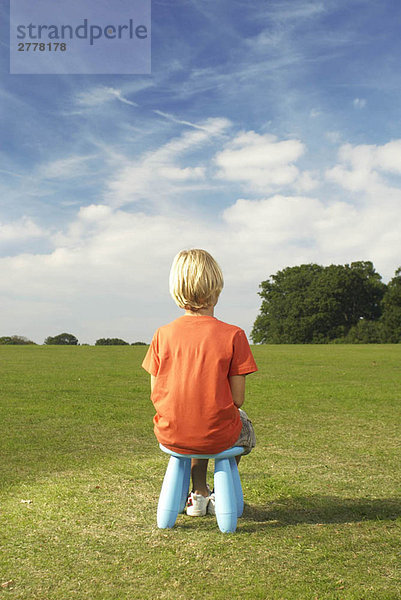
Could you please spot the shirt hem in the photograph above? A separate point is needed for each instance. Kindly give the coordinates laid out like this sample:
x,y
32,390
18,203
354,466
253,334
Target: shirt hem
x,y
215,450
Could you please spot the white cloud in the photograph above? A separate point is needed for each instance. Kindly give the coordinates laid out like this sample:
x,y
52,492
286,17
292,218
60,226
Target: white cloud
x,y
156,175
65,168
106,277
101,95
12,173
287,230
174,119
333,136
364,167
108,273
285,11
272,222
359,102
18,231
307,181
353,180
260,162
388,157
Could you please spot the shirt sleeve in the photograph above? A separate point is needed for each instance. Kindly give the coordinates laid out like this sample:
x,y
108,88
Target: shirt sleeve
x,y
242,362
151,361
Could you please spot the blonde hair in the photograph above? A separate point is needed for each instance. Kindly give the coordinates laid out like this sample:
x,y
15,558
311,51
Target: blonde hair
x,y
196,279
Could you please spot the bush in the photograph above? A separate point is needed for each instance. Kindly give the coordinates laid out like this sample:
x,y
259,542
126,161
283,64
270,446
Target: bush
x,y
62,339
111,342
15,340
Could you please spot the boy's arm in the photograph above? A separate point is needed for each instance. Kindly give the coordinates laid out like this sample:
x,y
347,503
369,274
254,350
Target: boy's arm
x,y
152,382
237,385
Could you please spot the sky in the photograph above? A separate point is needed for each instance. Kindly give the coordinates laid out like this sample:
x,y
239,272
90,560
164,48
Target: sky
x,y
268,133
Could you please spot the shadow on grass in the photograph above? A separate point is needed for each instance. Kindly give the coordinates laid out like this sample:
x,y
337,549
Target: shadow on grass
x,y
321,510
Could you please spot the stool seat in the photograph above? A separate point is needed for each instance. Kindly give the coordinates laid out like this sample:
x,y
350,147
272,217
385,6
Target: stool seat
x,y
227,484
233,451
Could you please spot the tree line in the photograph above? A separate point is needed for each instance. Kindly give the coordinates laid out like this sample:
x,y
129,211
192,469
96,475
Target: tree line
x,y
65,339
312,304
309,304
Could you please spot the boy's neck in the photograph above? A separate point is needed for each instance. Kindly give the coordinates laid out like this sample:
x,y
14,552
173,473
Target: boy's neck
x,y
209,312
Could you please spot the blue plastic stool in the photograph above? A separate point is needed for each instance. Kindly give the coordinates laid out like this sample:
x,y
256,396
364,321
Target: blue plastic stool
x,y
227,488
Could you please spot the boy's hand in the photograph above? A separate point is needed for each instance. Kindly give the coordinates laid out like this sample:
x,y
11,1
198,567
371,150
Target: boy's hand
x,y
237,385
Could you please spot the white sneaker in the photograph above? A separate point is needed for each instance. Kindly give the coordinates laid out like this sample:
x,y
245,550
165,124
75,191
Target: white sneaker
x,y
197,505
211,507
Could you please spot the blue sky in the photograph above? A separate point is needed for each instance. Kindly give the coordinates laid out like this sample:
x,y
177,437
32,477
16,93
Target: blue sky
x,y
269,133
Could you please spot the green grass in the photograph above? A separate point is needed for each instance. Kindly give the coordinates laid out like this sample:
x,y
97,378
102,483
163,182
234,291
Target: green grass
x,y
81,472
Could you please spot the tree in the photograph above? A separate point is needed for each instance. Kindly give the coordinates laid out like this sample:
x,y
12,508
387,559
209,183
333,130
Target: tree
x,y
62,339
139,344
16,340
366,332
111,342
392,309
285,312
314,304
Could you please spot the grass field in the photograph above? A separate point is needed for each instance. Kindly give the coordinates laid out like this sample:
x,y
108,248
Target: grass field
x,y
81,472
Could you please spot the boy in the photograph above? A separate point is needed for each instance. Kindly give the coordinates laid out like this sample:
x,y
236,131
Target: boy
x,y
198,366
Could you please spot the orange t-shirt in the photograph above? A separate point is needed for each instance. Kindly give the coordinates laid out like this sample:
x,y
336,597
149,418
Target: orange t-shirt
x,y
192,358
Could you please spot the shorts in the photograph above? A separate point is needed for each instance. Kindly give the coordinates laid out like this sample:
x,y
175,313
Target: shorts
x,y
247,438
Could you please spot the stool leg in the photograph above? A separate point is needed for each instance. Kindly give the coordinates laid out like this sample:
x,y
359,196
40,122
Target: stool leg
x,y
226,504
185,485
171,492
237,486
